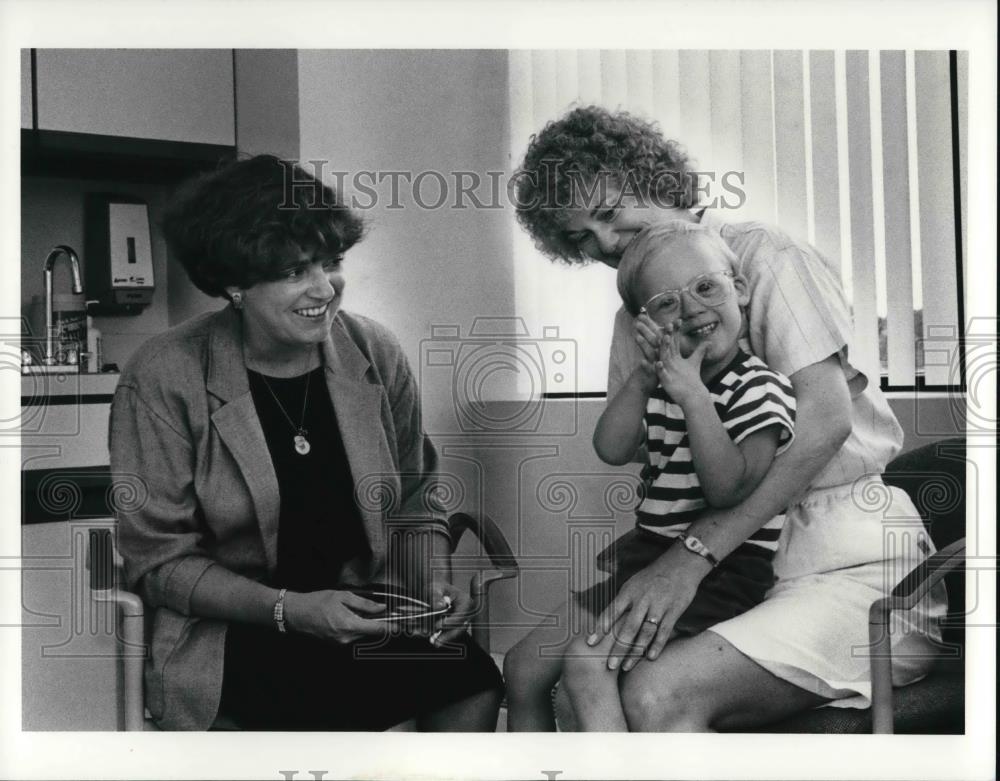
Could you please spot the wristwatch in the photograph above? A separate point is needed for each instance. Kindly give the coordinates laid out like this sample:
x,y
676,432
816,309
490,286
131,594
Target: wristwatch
x,y
699,548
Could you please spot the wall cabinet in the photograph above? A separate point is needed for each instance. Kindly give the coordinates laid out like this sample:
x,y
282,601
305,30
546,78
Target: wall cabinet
x,y
26,88
169,95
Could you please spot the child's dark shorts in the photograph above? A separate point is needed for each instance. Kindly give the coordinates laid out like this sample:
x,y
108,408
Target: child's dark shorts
x,y
739,582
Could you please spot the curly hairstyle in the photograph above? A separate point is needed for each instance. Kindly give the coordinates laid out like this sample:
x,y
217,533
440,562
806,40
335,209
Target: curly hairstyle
x,y
586,144
239,225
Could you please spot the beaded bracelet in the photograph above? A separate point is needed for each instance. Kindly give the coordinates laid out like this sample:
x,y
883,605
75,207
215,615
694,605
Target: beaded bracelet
x,y
279,611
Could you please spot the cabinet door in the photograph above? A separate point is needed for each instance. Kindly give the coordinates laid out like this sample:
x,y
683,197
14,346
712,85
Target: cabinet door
x,y
166,94
26,88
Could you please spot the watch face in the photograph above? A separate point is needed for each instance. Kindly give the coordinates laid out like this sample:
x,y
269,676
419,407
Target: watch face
x,y
692,544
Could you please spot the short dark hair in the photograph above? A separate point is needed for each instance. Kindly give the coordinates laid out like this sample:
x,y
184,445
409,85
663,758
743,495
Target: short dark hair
x,y
587,143
238,225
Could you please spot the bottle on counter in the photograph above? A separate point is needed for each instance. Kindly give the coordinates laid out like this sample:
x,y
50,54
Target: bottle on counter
x,y
69,325
95,347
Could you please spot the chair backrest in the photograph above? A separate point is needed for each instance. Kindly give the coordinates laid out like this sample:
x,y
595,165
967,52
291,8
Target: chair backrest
x,y
934,477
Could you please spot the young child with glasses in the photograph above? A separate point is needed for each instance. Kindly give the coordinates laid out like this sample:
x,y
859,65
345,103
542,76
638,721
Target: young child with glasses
x,y
712,418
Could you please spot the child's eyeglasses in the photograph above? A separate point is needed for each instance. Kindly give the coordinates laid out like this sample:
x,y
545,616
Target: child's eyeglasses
x,y
709,289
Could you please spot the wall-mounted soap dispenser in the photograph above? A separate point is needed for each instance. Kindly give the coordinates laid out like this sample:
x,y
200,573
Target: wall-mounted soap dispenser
x,y
118,257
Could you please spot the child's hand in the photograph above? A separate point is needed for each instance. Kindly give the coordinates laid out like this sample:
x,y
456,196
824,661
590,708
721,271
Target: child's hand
x,y
648,335
679,376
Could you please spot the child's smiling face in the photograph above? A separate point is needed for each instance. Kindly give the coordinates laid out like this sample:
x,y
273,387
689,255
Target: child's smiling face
x,y
679,264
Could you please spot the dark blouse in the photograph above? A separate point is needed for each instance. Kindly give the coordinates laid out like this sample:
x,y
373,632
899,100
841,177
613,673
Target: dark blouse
x,y
319,528
295,681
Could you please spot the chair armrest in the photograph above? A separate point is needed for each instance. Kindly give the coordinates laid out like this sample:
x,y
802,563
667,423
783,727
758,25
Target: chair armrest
x,y
494,543
907,593
922,578
106,575
501,558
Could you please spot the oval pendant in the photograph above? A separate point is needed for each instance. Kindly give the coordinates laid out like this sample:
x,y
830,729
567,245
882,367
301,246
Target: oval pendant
x,y
302,446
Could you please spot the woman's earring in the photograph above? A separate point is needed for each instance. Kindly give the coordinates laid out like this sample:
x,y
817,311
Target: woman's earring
x,y
237,299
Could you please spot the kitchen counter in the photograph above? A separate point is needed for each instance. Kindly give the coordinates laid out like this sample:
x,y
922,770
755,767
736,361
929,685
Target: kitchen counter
x,y
37,389
64,420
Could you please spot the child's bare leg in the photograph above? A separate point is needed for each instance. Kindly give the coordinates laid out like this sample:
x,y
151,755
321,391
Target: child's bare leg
x,y
592,687
531,669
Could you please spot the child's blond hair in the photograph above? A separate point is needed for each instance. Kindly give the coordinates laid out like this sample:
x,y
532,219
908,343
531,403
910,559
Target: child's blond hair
x,y
649,241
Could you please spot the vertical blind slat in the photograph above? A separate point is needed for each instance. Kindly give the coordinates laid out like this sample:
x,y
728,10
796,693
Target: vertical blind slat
x,y
667,92
789,142
807,135
844,173
639,70
696,111
758,135
567,80
614,79
937,217
900,334
913,171
825,166
726,116
878,193
543,86
588,69
862,229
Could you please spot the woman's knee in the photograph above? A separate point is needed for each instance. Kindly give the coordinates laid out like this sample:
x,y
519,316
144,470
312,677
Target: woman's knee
x,y
583,667
523,667
662,703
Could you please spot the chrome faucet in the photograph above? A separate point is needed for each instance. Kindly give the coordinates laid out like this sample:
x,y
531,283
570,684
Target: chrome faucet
x,y
50,261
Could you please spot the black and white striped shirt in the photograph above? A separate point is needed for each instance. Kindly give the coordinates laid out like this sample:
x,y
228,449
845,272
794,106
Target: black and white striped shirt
x,y
748,397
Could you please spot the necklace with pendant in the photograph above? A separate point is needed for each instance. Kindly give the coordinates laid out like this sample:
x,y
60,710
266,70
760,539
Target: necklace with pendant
x,y
302,446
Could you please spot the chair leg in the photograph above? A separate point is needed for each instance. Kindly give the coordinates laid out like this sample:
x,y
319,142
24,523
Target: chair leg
x,y
880,648
133,660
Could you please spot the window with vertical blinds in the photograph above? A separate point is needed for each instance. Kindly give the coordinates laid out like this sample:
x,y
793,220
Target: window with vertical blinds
x,y
858,152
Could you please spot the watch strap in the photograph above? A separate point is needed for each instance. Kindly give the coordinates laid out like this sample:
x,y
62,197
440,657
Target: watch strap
x,y
698,548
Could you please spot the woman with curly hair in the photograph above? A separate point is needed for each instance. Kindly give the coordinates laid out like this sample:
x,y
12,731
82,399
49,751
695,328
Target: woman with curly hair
x,y
590,183
257,434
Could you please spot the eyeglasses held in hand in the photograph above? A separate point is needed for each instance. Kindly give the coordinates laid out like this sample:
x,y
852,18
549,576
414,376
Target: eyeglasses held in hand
x,y
709,289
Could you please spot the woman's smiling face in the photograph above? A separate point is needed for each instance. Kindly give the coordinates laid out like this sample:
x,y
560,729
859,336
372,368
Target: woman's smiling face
x,y
602,227
296,310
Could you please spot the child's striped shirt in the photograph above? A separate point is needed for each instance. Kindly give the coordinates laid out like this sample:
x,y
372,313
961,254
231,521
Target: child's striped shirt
x,y
748,397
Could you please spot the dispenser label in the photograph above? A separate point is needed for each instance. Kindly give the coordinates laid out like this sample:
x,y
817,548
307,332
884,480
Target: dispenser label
x,y
131,253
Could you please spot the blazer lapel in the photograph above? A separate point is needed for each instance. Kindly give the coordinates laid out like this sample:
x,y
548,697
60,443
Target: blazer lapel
x,y
357,404
358,407
239,427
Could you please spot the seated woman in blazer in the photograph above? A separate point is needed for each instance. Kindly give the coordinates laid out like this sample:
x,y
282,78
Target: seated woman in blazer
x,y
266,447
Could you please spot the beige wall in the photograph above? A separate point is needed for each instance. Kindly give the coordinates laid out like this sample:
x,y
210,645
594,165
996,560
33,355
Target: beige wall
x,y
415,111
